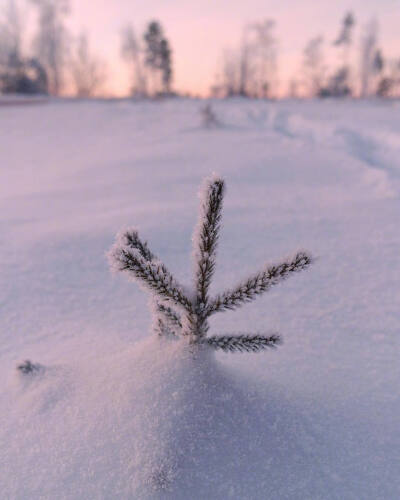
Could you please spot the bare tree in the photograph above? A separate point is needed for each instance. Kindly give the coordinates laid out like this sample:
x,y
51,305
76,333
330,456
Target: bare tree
x,y
18,73
250,69
395,75
265,50
10,41
293,89
87,70
132,54
230,74
244,63
237,67
314,67
10,32
386,75
51,43
345,37
339,83
385,87
389,82
367,56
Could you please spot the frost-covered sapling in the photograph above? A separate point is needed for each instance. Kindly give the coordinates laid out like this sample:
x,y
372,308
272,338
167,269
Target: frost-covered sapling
x,y
209,117
179,313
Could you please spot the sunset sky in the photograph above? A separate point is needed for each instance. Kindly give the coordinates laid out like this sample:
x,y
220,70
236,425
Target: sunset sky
x,y
200,30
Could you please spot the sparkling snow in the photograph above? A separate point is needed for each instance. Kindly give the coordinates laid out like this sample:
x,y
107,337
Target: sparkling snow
x,y
113,413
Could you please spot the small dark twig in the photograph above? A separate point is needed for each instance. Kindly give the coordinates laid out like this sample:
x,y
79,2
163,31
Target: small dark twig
x,y
27,367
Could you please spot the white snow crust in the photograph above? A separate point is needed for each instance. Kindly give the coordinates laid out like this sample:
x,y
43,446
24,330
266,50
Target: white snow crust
x,y
117,414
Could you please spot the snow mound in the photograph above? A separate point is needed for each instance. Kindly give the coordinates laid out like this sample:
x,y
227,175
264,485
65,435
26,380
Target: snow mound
x,y
152,421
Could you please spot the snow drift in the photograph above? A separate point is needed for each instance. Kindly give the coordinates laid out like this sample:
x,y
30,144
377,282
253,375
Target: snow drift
x,y
315,419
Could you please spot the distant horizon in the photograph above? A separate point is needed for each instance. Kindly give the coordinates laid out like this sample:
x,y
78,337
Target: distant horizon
x,y
199,33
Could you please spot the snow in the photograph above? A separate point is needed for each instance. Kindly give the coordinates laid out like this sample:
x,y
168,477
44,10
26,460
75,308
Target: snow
x,y
114,413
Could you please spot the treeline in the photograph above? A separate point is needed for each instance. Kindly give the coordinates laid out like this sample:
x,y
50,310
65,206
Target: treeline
x,y
43,64
252,68
370,73
52,61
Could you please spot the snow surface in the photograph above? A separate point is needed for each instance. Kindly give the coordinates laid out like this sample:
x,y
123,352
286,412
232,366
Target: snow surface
x,y
117,414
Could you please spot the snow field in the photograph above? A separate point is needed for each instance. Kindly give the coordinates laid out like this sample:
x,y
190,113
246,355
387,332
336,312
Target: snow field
x,y
116,414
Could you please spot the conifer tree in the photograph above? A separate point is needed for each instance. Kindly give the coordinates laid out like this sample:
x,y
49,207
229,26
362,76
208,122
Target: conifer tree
x,y
178,313
158,57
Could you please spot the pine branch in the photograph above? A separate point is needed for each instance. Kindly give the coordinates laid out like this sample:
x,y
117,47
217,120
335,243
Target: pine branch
x,y
130,238
259,283
162,329
169,314
152,274
195,326
206,234
161,324
243,343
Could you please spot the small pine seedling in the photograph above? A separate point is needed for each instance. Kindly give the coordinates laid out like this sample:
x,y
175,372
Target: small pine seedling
x,y
177,313
209,117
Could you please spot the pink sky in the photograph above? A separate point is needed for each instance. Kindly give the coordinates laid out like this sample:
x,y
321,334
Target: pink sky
x,y
200,30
